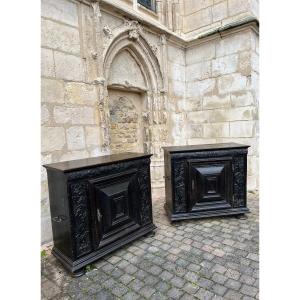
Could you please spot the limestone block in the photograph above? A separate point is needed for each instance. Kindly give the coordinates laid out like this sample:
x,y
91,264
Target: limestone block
x,y
72,155
113,21
198,71
60,10
242,129
198,88
202,52
234,114
75,138
232,83
68,67
225,65
219,11
92,135
245,63
190,6
199,19
96,151
53,138
52,90
177,72
178,88
198,117
45,115
253,165
193,104
195,131
81,93
233,43
201,141
74,115
216,130
252,183
255,62
216,101
254,8
242,98
176,55
60,37
237,6
47,63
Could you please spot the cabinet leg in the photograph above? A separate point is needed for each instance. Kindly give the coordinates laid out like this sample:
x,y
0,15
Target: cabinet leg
x,y
78,273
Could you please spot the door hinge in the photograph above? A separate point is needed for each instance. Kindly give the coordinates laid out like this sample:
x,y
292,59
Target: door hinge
x,y
99,216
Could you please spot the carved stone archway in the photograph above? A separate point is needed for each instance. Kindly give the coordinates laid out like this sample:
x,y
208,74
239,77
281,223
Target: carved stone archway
x,y
155,117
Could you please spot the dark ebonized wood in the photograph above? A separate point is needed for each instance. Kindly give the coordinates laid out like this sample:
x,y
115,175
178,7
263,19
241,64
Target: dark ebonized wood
x,y
98,205
205,180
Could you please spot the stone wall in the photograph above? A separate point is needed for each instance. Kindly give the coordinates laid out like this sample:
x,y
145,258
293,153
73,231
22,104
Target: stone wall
x,y
202,15
221,93
184,90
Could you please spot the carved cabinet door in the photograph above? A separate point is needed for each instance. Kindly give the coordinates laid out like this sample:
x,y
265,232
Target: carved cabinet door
x,y
210,184
114,207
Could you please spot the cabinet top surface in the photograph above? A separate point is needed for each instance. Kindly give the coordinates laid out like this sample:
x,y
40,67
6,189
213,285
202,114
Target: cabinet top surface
x,y
204,147
78,164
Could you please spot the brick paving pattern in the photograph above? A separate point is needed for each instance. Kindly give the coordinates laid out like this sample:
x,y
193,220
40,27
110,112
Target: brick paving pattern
x,y
215,258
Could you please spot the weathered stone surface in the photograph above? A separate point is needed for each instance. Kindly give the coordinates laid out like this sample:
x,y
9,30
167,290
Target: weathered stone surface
x,y
52,90
68,67
212,102
243,98
191,6
71,155
198,71
53,138
216,130
192,104
225,65
73,115
200,53
126,71
47,63
81,93
237,6
60,10
176,55
233,43
253,165
242,129
245,67
177,88
198,19
92,135
234,114
75,138
44,114
219,11
194,89
60,37
231,83
195,130
198,117
177,72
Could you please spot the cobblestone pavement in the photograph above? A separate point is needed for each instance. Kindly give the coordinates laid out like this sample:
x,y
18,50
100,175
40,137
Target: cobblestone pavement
x,y
215,258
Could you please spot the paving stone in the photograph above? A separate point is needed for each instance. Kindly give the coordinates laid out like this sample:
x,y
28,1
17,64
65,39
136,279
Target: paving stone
x,y
216,258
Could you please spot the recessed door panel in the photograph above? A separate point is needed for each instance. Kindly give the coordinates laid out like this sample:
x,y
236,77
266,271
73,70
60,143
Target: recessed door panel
x,y
114,207
210,184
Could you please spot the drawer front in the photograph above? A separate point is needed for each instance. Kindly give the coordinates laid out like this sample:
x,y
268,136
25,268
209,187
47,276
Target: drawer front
x,y
210,184
114,207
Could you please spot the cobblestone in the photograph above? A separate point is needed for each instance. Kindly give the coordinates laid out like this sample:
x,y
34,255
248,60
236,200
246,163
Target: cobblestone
x,y
215,258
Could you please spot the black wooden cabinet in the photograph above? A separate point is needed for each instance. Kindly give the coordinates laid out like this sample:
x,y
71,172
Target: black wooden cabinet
x,y
98,205
205,180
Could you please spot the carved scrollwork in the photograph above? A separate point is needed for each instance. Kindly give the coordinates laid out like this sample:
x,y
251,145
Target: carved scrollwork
x,y
239,178
179,186
108,32
80,220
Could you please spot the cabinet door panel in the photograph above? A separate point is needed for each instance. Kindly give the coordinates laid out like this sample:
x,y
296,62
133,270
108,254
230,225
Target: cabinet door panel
x,y
210,184
114,207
